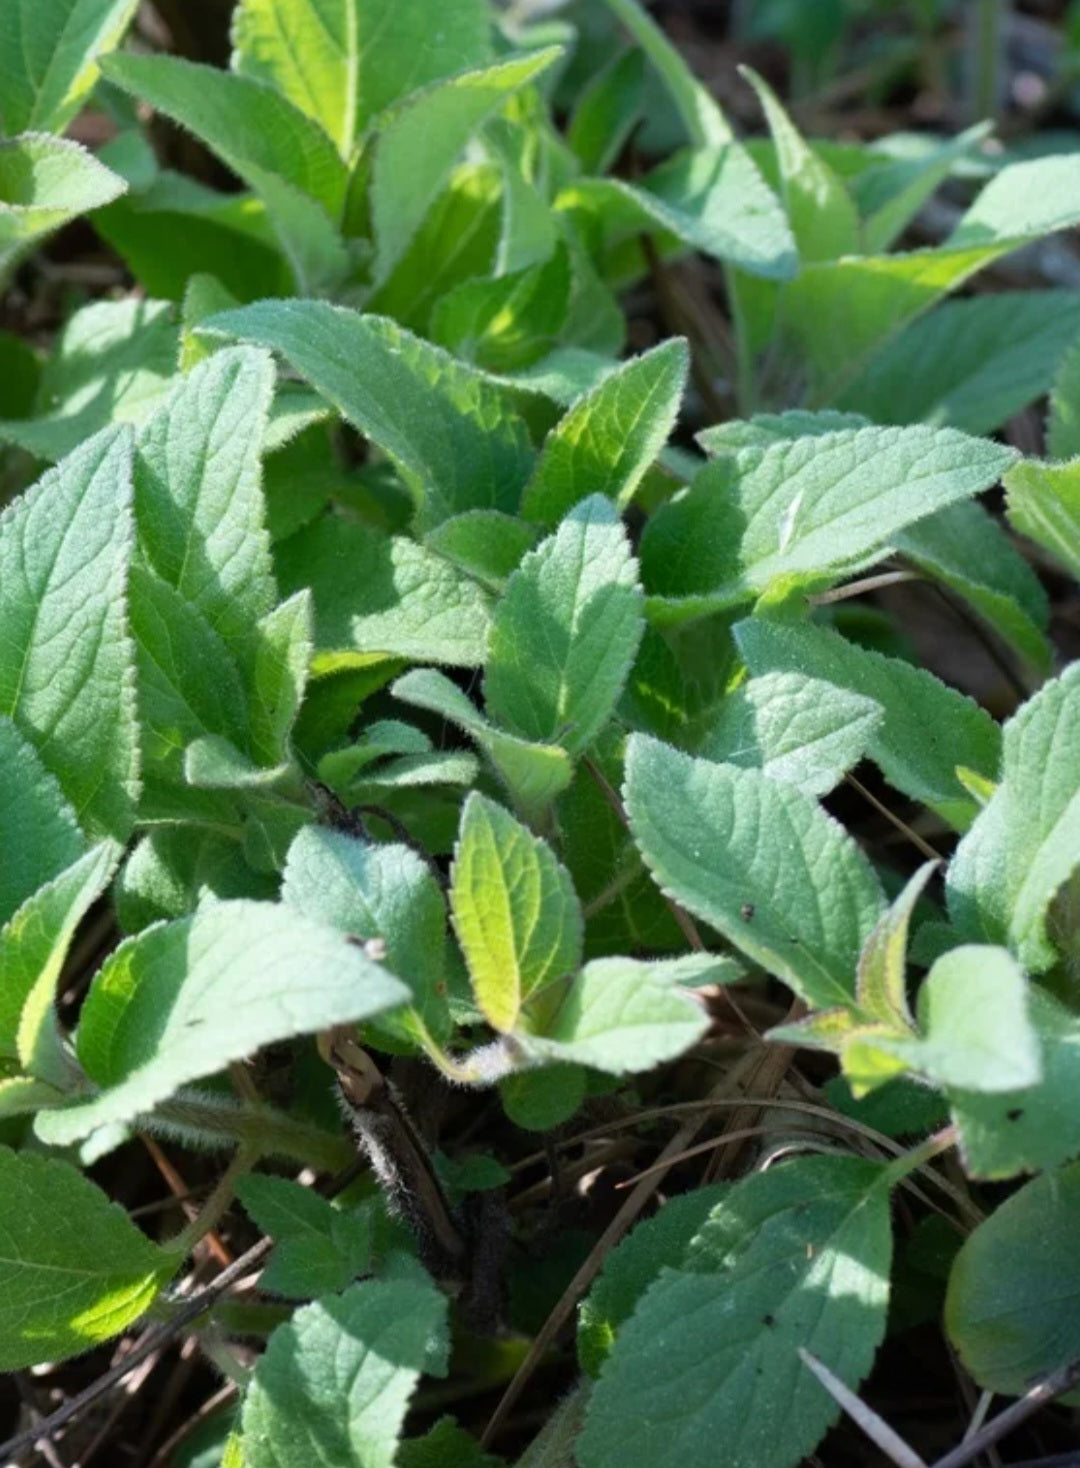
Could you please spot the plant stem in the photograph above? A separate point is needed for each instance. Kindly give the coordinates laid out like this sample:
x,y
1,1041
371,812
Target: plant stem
x,y
215,1207
271,1133
987,17
921,1154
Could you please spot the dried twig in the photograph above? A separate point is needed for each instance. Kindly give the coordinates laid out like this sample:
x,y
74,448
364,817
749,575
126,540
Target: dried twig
x,y
1054,1385
876,1428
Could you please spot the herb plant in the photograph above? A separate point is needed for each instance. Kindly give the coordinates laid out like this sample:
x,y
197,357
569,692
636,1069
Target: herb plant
x,y
436,707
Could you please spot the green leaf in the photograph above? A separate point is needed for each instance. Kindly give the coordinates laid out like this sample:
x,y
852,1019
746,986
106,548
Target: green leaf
x,y
881,988
113,362
384,893
712,199
198,495
284,643
44,183
539,1100
33,948
486,543
445,1443
174,869
383,594
1010,1308
914,701
74,1270
39,834
565,632
798,730
1043,503
318,1248
973,1014
653,1244
823,217
1026,842
760,861
509,321
451,432
515,912
534,774
335,1381
1005,1133
891,192
274,147
701,115
971,364
868,299
967,550
620,1016
67,664
610,436
342,63
806,506
48,58
798,1256
1063,419
183,999
607,111
421,139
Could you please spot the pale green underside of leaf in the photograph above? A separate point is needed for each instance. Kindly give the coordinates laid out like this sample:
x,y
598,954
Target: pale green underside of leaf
x,y
66,663
621,1016
797,1256
928,727
335,1381
1026,842
184,999
379,594
712,199
798,730
804,506
48,52
74,1270
565,632
515,911
112,363
727,842
452,433
1043,503
534,774
44,182
610,436
1011,1132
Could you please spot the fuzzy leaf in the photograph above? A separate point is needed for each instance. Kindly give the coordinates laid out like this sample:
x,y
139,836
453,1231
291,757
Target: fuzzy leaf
x,y
515,912
335,1381
1044,504
760,861
44,182
798,730
66,662
620,1016
1010,1308
806,506
384,594
74,1270
48,58
450,430
913,700
183,999
565,632
796,1256
610,436
1026,842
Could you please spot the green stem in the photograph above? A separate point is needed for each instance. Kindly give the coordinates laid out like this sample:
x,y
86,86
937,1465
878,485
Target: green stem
x,y
918,1156
988,43
213,1119
216,1206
